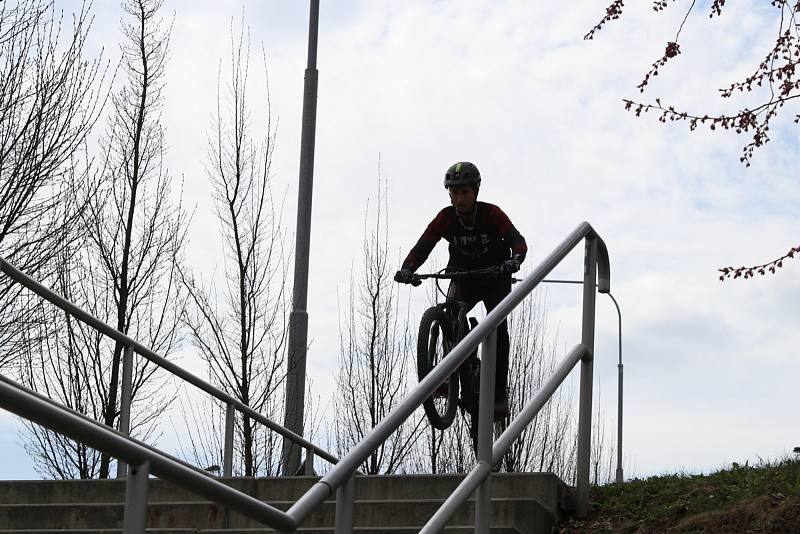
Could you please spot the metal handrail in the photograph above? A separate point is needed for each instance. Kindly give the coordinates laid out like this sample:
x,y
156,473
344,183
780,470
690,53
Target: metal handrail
x,y
620,376
340,477
514,430
7,382
46,293
517,426
50,414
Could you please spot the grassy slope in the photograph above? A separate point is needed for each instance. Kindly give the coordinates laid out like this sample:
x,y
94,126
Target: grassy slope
x,y
742,499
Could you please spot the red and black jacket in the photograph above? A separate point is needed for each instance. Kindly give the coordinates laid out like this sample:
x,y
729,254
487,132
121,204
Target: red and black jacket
x,y
488,242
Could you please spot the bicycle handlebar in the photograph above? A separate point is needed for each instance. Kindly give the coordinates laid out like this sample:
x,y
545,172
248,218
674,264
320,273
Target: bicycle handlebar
x,y
442,275
487,272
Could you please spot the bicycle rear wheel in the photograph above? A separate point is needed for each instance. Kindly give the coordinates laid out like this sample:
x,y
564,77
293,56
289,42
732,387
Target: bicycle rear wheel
x,y
434,342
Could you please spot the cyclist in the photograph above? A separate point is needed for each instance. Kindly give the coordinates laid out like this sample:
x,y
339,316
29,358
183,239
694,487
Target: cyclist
x,y
480,236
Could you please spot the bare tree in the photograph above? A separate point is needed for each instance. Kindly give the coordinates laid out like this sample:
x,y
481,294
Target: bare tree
x,y
240,331
546,444
50,97
602,461
374,350
445,451
124,267
775,81
59,363
136,231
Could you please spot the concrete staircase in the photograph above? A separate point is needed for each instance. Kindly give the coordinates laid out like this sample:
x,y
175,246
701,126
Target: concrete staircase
x,y
400,504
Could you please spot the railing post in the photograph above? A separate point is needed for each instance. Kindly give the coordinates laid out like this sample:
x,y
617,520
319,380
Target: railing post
x,y
485,430
309,466
135,519
125,403
585,408
227,453
345,497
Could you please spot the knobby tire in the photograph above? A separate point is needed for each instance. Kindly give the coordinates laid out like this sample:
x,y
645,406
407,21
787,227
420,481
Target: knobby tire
x,y
434,342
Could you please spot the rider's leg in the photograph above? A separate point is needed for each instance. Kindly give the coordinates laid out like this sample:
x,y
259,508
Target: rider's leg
x,y
491,299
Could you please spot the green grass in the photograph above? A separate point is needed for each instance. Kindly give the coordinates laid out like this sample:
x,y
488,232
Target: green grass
x,y
741,498
664,496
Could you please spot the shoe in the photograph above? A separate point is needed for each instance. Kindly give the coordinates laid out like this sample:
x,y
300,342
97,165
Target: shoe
x,y
501,410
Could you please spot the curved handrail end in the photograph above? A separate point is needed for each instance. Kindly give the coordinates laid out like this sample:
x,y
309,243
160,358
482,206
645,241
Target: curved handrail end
x,y
603,267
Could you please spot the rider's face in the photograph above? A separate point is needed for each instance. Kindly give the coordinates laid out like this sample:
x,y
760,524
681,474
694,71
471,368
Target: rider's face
x,y
463,198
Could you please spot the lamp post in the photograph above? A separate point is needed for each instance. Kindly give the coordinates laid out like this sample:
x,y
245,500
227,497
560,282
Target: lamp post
x,y
619,393
619,473
298,319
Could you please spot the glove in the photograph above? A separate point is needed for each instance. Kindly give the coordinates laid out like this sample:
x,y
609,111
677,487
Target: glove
x,y
404,276
509,266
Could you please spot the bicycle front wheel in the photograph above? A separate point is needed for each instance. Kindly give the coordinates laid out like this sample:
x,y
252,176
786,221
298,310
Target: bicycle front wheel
x,y
434,342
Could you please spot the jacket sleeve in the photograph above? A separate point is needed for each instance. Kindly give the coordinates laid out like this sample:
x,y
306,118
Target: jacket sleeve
x,y
509,233
432,234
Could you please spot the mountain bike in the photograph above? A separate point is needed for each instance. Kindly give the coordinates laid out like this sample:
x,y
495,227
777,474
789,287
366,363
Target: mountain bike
x,y
441,328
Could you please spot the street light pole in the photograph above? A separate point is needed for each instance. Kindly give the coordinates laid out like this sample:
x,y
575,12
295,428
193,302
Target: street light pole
x,y
619,394
298,319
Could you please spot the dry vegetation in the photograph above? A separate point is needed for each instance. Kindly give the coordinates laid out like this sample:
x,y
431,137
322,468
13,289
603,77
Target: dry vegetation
x,y
740,499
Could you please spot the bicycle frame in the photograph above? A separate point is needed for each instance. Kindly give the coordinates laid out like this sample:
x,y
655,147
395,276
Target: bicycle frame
x,y
457,311
460,317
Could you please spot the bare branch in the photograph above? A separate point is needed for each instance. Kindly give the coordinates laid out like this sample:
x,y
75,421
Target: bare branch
x,y
374,350
749,272
124,265
613,12
240,330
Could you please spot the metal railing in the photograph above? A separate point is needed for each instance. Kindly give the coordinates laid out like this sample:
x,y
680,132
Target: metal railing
x,y
596,277
340,478
620,370
132,346
143,459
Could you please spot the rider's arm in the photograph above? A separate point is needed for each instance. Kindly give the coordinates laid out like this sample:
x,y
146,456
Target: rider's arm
x,y
509,233
432,234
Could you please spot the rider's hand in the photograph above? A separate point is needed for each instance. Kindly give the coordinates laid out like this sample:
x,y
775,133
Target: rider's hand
x,y
509,266
404,276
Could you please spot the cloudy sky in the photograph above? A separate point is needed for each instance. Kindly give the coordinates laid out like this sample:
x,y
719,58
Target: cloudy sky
x,y
512,86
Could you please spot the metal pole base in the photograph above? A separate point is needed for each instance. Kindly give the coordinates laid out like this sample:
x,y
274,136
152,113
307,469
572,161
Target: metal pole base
x,y
136,499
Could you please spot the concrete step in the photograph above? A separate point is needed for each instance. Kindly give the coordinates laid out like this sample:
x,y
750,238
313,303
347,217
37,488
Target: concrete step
x,y
529,502
523,513
545,487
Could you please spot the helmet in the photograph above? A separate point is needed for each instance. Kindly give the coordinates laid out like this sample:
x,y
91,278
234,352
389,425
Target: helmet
x,y
462,173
